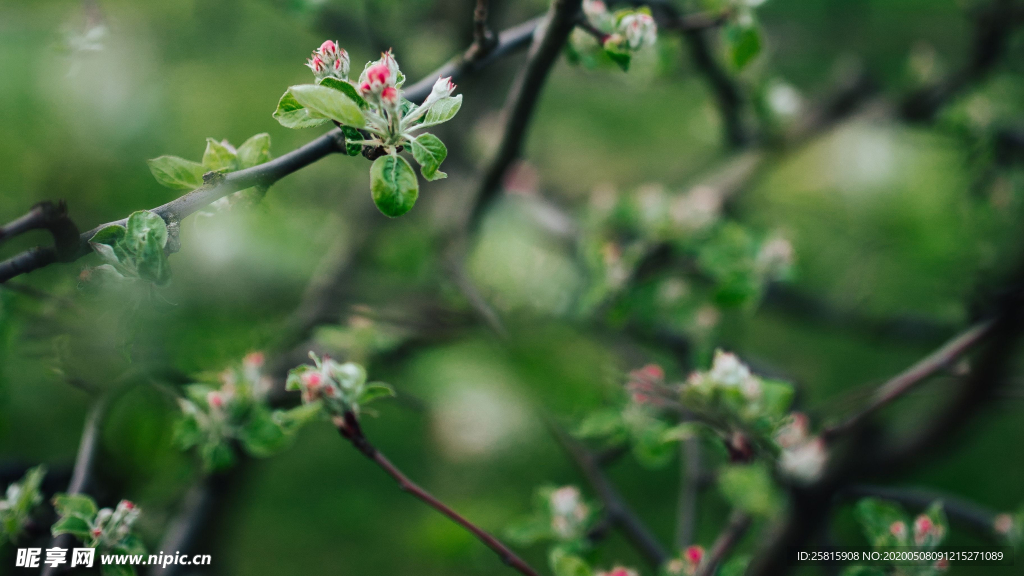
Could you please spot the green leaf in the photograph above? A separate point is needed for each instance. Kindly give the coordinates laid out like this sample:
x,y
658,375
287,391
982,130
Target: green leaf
x,y
877,517
74,504
262,435
77,526
776,397
352,134
744,44
528,531
109,235
329,103
736,566
177,173
750,488
623,59
131,544
186,432
375,391
106,252
393,185
254,151
443,110
217,456
601,424
291,114
151,261
651,448
291,420
429,152
143,225
346,89
565,564
218,157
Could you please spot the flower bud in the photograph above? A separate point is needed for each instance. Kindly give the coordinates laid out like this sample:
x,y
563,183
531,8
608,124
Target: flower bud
x,y
594,8
443,88
925,528
312,380
126,504
318,66
898,529
377,77
388,60
1003,524
694,554
329,49
215,400
389,96
638,29
806,462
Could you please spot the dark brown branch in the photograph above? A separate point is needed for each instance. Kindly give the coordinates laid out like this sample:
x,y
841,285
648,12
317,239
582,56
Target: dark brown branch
x,y
53,218
619,513
734,531
349,428
726,92
993,26
522,100
484,39
906,380
266,174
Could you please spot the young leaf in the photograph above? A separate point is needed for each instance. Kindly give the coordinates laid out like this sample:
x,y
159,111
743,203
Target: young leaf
x,y
142,225
749,487
345,88
352,134
74,504
443,110
177,173
623,59
217,456
375,391
219,157
877,518
74,525
330,103
291,114
106,252
429,152
261,435
110,235
254,151
528,531
151,261
393,185
744,43
565,564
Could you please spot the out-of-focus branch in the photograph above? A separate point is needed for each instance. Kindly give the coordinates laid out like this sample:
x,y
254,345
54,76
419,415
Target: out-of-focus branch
x,y
85,461
484,39
691,480
349,428
738,525
619,513
978,517
906,380
993,26
53,218
522,100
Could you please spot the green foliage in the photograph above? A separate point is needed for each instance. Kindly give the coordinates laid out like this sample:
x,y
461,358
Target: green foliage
x,y
108,530
136,252
750,488
394,185
19,501
743,43
566,564
560,515
429,152
324,102
177,173
216,420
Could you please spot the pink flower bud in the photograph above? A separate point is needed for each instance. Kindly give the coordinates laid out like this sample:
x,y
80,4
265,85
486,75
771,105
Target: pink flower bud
x,y
215,400
942,565
330,391
329,49
254,360
364,88
337,65
389,96
898,529
127,504
923,527
312,380
377,76
694,554
318,66
1003,524
96,532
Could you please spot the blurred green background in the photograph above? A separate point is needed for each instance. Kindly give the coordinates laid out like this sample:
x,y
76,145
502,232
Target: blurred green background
x,y
886,219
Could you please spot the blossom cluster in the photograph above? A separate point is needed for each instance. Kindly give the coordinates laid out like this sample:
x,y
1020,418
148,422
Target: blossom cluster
x,y
106,529
569,513
113,525
18,502
687,563
618,34
330,60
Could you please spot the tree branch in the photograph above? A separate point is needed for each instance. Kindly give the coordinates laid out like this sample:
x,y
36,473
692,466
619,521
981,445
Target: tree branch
x,y
906,380
619,513
734,531
349,428
522,100
691,481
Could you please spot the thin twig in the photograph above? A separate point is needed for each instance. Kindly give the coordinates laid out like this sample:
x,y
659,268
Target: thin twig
x,y
738,525
906,380
619,513
484,39
49,216
691,481
349,428
522,100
